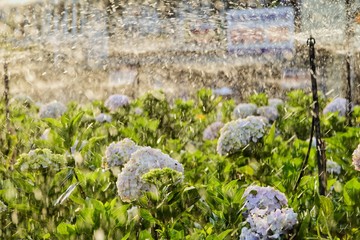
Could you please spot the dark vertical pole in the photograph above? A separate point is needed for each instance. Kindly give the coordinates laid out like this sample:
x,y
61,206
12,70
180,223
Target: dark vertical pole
x,y
6,96
320,146
348,63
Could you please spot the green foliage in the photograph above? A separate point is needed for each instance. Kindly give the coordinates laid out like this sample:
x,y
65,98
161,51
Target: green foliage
x,y
260,99
52,184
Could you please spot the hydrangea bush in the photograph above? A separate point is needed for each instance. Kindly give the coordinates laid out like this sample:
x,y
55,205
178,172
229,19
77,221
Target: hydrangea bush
x,y
53,109
119,153
116,101
244,110
338,105
235,135
130,184
356,158
268,216
212,131
39,159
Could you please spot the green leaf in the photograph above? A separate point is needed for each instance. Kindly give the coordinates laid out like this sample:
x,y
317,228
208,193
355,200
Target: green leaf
x,y
66,194
351,192
126,236
145,235
146,215
222,235
65,229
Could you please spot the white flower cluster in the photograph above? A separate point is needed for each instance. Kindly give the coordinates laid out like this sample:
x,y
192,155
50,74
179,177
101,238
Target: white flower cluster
x,y
333,167
235,135
3,207
129,183
268,216
212,131
117,154
52,110
356,158
269,112
116,101
337,105
22,99
40,159
102,117
274,102
244,110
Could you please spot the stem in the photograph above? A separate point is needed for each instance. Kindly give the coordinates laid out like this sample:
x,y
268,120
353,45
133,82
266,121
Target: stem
x,y
306,160
6,95
320,151
348,91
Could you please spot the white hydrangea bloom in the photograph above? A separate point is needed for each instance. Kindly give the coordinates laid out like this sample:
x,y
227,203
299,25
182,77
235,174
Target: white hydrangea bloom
x,y
116,101
133,213
3,207
272,225
244,110
138,111
333,167
268,214
22,99
129,183
212,131
274,102
102,117
337,105
235,135
264,198
119,153
356,158
269,112
52,110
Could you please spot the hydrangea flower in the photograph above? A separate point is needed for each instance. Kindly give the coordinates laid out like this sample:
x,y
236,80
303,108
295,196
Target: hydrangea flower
x,y
269,112
264,198
52,110
244,110
356,158
138,111
40,159
337,105
235,135
267,214
117,154
130,184
116,101
102,117
275,102
212,131
3,207
333,167
22,99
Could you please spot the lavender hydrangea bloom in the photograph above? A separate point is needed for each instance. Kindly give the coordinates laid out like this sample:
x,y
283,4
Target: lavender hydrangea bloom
x,y
102,117
248,234
333,167
129,183
264,198
268,215
337,105
235,135
275,102
269,112
356,158
117,154
52,110
116,101
212,131
244,110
